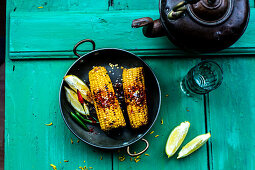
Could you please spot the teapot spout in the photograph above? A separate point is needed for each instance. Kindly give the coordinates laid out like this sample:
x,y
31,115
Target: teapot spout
x,y
151,28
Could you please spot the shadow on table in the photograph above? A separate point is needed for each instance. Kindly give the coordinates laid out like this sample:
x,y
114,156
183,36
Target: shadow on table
x,y
2,103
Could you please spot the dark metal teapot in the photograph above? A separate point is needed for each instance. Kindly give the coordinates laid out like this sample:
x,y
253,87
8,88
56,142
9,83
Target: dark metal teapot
x,y
198,25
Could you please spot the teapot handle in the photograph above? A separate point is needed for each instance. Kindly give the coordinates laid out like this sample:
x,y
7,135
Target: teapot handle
x,y
180,8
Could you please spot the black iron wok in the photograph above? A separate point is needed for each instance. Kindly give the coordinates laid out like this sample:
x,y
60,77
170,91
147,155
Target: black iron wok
x,y
102,57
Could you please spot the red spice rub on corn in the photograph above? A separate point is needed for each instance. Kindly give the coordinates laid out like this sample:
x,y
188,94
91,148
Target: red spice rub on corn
x,y
105,101
135,96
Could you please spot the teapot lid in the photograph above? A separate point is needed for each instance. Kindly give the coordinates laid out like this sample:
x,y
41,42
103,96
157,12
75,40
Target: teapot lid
x,y
211,12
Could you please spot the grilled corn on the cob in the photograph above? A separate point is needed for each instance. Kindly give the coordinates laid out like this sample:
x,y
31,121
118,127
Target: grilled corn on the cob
x,y
106,103
135,96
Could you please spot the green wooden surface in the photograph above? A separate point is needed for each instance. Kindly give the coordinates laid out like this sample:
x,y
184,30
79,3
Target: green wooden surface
x,y
175,109
231,115
32,89
53,34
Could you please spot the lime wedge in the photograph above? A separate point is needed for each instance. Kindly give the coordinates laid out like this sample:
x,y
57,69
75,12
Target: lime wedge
x,y
176,138
77,84
72,98
193,145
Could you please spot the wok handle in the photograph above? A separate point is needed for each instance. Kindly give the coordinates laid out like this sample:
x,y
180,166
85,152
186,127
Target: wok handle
x,y
81,42
136,154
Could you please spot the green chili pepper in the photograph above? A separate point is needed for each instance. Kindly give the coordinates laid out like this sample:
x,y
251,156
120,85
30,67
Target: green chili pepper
x,y
79,121
85,120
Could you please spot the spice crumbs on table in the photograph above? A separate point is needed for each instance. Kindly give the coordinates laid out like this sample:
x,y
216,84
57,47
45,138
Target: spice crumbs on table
x,y
137,160
162,122
131,159
40,7
90,167
49,124
122,158
151,132
66,161
101,158
71,141
156,136
84,161
146,154
78,141
166,95
53,166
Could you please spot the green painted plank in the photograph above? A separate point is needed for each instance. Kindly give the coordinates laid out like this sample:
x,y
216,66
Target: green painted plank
x,y
59,5
251,3
175,109
32,89
231,116
134,5
33,33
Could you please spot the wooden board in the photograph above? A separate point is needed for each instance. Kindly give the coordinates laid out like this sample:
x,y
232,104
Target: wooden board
x,y
32,102
231,115
53,34
175,108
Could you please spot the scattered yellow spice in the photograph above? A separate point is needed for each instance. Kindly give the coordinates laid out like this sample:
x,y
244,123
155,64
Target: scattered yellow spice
x,y
131,159
137,160
122,158
151,132
156,136
146,154
101,158
90,167
78,141
162,122
53,166
40,7
71,141
66,161
167,95
84,161
49,124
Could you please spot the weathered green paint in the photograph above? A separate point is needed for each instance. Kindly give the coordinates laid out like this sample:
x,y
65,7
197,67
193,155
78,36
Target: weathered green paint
x,y
57,32
32,101
231,115
175,108
32,88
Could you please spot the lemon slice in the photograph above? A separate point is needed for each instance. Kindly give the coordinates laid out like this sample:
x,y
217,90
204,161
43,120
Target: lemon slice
x,y
72,98
176,138
76,83
193,145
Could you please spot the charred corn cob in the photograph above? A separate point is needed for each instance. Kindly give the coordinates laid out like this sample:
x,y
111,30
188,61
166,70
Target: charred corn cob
x,y
105,101
135,96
